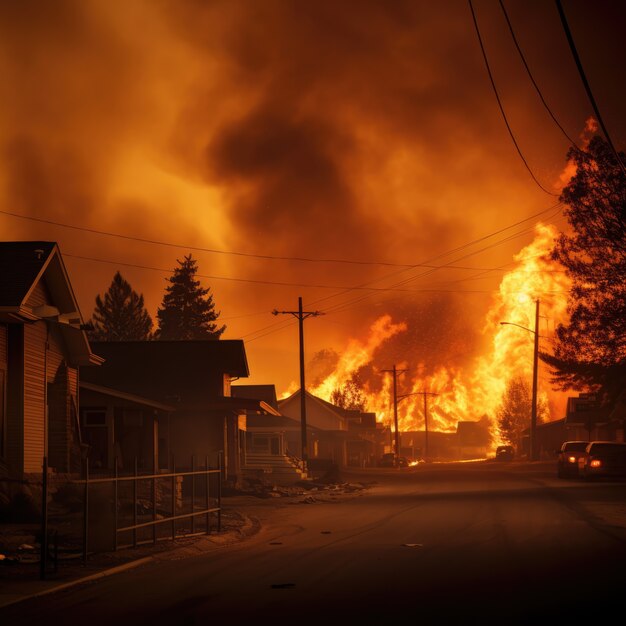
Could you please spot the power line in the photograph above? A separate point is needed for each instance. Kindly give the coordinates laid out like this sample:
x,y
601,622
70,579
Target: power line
x,y
268,282
198,248
583,77
532,79
216,251
452,251
342,306
504,117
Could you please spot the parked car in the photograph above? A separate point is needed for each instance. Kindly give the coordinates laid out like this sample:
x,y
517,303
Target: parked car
x,y
505,453
603,459
568,455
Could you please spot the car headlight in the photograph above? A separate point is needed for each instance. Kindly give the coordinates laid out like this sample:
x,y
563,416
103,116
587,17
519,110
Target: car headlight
x,y
571,459
595,463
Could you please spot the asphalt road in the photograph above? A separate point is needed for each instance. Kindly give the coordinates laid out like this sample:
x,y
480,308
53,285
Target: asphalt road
x,y
463,544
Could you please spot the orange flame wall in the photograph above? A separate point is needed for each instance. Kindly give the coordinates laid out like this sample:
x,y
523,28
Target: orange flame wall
x,y
475,390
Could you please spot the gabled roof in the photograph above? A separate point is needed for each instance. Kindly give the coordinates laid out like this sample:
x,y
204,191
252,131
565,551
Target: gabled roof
x,y
166,370
25,264
266,393
21,265
336,412
329,406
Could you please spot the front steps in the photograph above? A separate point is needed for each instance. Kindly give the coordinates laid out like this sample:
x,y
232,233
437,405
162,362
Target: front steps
x,y
278,469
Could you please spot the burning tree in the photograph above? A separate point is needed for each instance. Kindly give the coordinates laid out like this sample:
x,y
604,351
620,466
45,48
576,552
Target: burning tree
x,y
514,412
590,349
187,310
350,396
120,315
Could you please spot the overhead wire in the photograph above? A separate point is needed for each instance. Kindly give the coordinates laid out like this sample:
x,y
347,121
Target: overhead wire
x,y
583,76
199,248
501,107
346,305
532,78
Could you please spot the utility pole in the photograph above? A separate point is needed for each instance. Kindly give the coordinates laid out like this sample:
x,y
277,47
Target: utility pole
x,y
532,444
301,315
533,416
395,373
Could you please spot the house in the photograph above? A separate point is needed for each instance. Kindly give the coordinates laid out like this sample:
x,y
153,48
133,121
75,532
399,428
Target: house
x,y
165,402
414,444
473,439
341,437
42,346
270,449
123,430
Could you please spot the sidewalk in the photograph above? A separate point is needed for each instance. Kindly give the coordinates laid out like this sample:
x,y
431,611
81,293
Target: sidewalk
x,y
20,579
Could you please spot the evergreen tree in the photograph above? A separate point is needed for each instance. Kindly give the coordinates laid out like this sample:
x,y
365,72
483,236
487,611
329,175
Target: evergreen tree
x,y
514,412
121,315
187,310
590,349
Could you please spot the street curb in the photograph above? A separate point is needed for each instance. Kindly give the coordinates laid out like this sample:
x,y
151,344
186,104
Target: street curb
x,y
250,529
71,583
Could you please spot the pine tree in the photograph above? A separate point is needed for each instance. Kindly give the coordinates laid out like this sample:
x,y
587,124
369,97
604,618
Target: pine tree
x,y
187,310
590,348
121,315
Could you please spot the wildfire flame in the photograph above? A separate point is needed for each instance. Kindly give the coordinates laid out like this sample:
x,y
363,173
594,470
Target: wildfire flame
x,y
475,391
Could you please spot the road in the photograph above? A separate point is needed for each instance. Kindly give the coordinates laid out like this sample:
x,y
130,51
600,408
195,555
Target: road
x,y
459,544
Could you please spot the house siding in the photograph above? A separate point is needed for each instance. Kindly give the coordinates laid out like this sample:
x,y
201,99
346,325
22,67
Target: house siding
x,y
15,399
34,396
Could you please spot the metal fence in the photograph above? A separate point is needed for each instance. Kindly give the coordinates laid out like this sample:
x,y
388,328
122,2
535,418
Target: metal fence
x,y
107,512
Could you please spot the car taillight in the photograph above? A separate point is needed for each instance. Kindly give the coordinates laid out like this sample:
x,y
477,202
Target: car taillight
x,y
595,463
571,459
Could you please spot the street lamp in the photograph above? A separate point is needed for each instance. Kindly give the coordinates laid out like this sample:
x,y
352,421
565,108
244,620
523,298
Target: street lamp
x,y
533,414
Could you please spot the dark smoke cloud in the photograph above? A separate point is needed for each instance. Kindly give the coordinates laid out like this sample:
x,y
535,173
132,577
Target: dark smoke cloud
x,y
361,129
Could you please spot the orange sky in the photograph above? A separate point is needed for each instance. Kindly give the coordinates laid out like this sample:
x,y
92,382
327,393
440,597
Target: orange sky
x,y
355,130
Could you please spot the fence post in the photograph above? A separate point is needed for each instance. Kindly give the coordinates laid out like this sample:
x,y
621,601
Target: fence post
x,y
135,506
154,499
219,492
115,497
173,498
193,494
44,519
86,512
207,478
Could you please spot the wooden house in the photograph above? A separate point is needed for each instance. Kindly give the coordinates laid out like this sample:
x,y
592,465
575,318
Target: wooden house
x,y
42,346
165,402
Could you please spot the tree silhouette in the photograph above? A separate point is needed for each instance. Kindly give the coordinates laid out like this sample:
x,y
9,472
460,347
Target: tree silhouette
x,y
187,310
350,395
514,412
120,315
590,348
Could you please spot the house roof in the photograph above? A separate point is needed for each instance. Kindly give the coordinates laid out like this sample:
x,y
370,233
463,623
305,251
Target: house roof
x,y
25,264
336,412
267,393
21,264
129,397
168,370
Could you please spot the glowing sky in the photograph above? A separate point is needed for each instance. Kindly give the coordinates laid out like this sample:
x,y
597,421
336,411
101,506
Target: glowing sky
x,y
358,130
